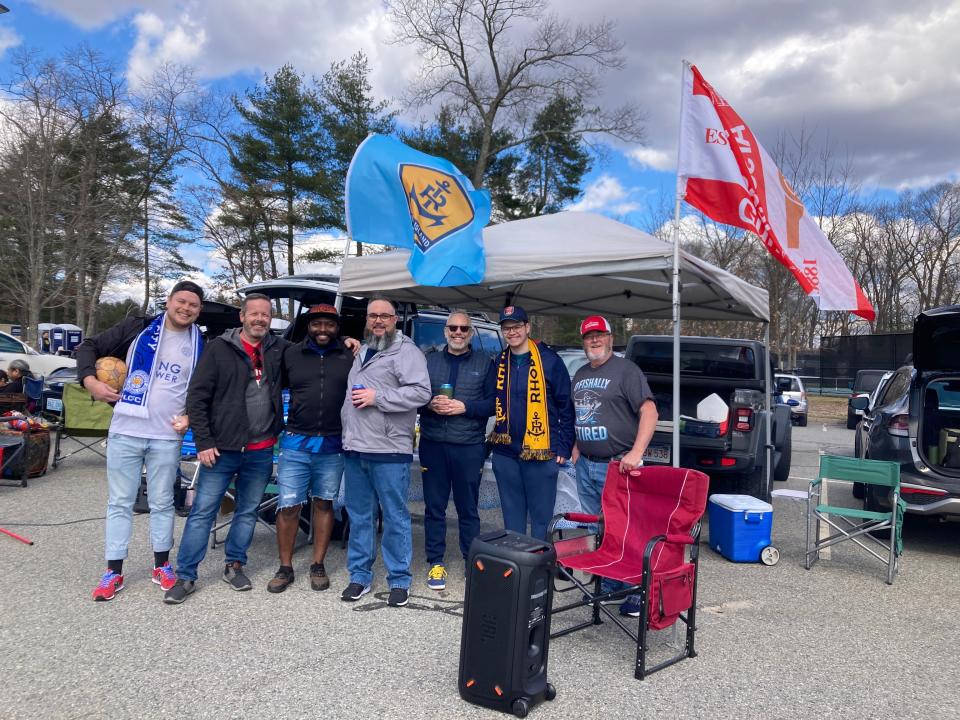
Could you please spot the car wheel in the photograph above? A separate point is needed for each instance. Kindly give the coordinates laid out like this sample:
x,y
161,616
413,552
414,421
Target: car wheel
x,y
852,420
856,443
782,471
803,421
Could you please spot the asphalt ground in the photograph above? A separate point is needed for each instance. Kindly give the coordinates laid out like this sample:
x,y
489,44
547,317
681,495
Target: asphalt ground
x,y
773,642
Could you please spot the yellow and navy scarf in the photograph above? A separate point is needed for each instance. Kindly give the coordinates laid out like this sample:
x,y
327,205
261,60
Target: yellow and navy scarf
x,y
536,434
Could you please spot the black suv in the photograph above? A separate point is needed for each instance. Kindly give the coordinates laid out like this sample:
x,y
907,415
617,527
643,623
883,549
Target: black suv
x,y
916,419
864,383
424,327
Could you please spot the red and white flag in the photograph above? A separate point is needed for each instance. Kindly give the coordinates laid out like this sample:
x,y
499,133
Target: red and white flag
x,y
724,172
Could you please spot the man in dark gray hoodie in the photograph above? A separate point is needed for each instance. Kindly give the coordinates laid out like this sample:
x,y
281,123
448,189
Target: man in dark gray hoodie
x,y
235,409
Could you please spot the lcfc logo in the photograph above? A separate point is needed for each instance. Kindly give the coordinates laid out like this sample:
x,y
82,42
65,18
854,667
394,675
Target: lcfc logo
x,y
439,204
137,382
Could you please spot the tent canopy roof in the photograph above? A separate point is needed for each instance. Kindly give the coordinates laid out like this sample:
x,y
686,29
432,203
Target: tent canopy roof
x,y
571,263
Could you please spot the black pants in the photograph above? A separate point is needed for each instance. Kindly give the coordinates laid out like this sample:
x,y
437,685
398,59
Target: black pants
x,y
446,466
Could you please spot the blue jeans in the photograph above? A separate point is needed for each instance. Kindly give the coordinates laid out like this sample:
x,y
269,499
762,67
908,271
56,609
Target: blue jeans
x,y
126,456
367,482
302,475
591,477
444,466
526,487
253,470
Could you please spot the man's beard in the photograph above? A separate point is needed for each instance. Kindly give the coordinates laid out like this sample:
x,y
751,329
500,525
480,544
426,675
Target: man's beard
x,y
594,355
378,343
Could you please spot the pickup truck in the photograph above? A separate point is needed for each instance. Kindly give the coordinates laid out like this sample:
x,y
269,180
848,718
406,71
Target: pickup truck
x,y
733,369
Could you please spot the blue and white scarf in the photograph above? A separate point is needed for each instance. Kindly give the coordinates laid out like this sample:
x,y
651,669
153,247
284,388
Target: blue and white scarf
x,y
141,359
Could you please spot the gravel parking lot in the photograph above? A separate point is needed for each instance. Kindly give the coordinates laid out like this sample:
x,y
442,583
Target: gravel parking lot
x,y
778,642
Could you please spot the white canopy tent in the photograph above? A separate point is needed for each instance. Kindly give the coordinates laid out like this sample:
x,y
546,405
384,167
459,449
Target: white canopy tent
x,y
573,263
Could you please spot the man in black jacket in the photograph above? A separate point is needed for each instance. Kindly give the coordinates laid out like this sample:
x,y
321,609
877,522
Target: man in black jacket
x,y
452,449
311,452
148,420
235,408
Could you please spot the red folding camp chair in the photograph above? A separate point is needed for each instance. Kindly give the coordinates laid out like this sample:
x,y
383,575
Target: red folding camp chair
x,y
650,516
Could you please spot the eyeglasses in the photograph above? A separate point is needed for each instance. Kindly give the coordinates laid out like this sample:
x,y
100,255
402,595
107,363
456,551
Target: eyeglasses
x,y
461,328
257,359
373,317
511,329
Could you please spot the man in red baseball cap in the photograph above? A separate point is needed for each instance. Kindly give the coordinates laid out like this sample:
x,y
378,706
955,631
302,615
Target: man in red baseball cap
x,y
615,420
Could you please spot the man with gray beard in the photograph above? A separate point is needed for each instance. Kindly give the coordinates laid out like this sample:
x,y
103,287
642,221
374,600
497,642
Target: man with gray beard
x,y
388,381
615,419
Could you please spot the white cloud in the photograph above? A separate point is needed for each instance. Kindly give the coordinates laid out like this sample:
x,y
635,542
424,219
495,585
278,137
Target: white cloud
x,y
606,193
8,39
648,157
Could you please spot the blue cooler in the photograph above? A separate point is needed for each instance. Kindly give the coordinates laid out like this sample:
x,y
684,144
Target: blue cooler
x,y
740,526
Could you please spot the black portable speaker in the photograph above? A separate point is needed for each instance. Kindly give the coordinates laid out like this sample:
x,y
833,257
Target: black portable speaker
x,y
506,622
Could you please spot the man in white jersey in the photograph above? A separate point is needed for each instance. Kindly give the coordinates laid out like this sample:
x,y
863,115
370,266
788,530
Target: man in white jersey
x,y
148,422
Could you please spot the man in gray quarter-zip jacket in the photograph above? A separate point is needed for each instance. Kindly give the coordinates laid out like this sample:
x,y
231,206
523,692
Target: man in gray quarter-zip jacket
x,y
388,383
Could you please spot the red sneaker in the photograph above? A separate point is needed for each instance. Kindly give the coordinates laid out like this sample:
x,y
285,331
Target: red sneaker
x,y
110,585
164,576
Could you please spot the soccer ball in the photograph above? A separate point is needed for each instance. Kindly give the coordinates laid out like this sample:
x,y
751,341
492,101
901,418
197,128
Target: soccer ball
x,y
112,371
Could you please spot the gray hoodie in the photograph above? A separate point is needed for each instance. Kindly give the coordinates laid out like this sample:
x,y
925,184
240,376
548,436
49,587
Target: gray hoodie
x,y
399,375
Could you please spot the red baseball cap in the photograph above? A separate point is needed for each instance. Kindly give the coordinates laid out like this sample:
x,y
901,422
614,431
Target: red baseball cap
x,y
595,323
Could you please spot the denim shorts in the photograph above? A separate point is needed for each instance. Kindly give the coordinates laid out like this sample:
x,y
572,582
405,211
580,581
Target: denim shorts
x,y
302,475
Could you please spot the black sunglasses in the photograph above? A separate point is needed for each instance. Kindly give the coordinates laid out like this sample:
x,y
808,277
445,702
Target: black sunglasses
x,y
461,328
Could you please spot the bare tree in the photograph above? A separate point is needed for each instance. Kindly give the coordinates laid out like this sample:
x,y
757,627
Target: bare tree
x,y
499,62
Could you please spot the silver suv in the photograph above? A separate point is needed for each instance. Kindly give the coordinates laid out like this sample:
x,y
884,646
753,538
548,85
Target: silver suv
x,y
791,387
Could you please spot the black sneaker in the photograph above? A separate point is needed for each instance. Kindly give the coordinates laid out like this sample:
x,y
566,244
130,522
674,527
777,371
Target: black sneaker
x,y
354,591
178,593
234,577
398,597
281,580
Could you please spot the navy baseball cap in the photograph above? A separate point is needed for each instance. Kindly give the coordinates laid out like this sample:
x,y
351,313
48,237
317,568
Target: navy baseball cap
x,y
515,313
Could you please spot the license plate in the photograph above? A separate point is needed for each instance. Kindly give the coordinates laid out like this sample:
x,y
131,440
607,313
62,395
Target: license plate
x,y
657,454
54,404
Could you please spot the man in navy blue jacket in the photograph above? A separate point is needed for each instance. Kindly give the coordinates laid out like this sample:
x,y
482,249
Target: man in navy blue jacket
x,y
534,431
452,448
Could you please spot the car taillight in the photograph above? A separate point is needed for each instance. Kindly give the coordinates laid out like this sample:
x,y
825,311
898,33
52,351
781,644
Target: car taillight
x,y
743,419
899,425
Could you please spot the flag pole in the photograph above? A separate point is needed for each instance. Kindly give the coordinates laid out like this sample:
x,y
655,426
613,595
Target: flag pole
x,y
675,450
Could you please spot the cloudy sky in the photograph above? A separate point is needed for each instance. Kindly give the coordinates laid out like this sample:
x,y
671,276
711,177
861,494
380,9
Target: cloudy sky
x,y
880,78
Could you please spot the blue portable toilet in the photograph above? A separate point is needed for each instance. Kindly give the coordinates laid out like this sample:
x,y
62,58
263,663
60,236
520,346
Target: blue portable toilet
x,y
65,337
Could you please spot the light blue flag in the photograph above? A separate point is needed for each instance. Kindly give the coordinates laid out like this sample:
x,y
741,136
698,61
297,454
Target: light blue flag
x,y
405,198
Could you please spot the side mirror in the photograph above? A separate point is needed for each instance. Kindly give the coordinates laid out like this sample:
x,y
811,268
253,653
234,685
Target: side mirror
x,y
861,402
792,403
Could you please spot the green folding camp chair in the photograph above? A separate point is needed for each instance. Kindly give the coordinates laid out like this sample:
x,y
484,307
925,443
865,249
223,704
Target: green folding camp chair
x,y
83,420
858,523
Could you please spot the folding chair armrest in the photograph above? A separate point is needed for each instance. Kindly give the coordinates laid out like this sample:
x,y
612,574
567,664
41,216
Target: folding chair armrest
x,y
585,518
648,552
680,539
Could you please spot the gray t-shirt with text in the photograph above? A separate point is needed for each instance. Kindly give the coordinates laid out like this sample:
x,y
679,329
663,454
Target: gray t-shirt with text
x,y
168,390
607,401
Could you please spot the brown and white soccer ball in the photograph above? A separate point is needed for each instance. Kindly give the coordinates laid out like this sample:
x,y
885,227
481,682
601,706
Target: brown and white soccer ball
x,y
112,371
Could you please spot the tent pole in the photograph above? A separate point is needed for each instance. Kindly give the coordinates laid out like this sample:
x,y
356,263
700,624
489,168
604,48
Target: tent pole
x,y
675,450
769,464
338,303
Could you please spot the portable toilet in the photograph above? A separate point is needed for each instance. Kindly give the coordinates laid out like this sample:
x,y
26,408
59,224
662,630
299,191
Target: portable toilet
x,y
64,338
